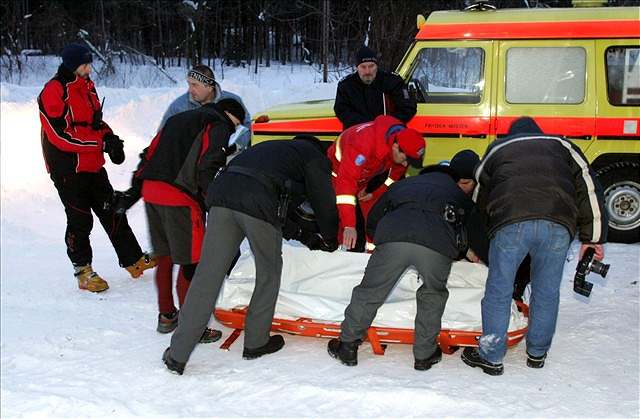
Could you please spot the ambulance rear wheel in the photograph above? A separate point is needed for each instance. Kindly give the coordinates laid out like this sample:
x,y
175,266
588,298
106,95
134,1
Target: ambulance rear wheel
x,y
621,184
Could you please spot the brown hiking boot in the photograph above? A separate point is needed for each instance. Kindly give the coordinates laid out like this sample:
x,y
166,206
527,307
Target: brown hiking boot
x,y
145,262
210,335
167,322
89,280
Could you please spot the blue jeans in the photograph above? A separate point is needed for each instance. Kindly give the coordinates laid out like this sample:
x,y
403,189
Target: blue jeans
x,y
547,243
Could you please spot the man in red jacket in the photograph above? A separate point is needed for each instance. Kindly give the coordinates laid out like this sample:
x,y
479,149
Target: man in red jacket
x,y
74,140
363,152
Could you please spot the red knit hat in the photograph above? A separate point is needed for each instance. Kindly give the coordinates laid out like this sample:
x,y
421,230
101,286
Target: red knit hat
x,y
411,143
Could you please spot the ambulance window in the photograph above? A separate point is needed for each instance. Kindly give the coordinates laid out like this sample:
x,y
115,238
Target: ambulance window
x,y
448,75
623,75
546,75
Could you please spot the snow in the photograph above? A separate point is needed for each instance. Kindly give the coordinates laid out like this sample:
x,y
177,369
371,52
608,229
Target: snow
x,y
67,353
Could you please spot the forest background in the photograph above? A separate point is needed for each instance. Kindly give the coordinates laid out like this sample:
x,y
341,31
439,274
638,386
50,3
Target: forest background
x,y
247,33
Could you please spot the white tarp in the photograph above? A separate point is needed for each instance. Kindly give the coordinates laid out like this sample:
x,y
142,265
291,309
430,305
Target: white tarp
x,y
318,285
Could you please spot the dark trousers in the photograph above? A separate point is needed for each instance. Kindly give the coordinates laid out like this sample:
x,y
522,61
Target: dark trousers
x,y
226,229
386,265
82,193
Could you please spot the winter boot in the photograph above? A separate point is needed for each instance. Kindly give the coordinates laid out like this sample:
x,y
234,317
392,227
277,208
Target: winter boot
x,y
536,361
346,352
276,342
210,335
145,262
89,280
427,363
167,322
172,364
472,357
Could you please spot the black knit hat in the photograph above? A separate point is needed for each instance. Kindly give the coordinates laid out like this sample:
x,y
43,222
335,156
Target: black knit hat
x,y
233,107
74,55
464,163
366,55
524,125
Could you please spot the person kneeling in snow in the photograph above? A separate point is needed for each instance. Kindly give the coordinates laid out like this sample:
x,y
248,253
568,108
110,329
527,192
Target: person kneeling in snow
x,y
417,222
249,199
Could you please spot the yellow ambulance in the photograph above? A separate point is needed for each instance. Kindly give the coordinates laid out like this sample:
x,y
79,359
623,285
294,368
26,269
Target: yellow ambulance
x,y
575,70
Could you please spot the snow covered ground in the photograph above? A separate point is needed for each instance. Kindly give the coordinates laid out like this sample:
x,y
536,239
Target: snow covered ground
x,y
67,353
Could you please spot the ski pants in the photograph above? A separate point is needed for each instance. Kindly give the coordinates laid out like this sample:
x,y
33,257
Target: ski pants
x,y
82,193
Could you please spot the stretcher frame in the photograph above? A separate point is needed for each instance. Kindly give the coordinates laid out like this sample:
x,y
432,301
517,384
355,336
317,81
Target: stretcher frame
x,y
378,337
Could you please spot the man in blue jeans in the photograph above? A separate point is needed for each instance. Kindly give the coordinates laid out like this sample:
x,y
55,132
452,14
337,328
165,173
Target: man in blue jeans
x,y
538,191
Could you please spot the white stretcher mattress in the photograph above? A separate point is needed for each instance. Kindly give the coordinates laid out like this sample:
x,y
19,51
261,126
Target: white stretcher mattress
x,y
318,285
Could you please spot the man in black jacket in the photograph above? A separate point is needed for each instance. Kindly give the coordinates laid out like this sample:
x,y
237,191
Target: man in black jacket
x,y
417,222
370,92
248,199
172,177
538,191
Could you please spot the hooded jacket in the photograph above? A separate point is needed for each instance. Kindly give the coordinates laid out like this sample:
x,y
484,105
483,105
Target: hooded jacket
x,y
529,175
187,152
267,168
185,103
67,107
413,211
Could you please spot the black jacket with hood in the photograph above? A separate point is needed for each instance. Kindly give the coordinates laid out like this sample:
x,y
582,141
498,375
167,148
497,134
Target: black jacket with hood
x,y
188,151
413,211
265,169
529,175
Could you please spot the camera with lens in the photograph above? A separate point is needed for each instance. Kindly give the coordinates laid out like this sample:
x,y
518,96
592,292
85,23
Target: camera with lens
x,y
452,214
588,264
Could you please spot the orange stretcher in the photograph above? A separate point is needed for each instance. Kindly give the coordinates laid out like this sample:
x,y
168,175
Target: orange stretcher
x,y
449,340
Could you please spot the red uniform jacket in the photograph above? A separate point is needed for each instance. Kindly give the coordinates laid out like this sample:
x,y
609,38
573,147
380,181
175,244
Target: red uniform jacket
x,y
69,143
359,154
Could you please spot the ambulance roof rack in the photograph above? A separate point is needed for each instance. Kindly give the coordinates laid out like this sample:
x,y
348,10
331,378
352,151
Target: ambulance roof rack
x,y
479,5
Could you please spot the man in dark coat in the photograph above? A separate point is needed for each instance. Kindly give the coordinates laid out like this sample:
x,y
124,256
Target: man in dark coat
x,y
370,92
74,140
417,222
248,199
174,173
464,163
536,212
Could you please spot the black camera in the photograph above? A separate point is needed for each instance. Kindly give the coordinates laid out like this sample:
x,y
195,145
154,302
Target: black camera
x,y
588,264
453,214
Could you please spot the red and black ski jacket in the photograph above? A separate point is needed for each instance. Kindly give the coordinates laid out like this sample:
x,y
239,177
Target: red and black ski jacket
x,y
186,153
67,107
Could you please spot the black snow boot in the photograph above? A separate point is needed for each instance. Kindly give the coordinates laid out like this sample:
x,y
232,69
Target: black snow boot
x,y
276,342
427,363
346,352
472,357
536,361
172,364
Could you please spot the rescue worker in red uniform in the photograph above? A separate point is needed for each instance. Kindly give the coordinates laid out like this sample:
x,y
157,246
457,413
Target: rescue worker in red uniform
x,y
74,139
363,152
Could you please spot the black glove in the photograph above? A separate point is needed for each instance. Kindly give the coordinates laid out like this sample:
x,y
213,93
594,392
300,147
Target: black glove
x,y
314,241
123,200
114,147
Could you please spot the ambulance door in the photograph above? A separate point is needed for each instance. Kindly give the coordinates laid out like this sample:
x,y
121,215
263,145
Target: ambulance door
x,y
618,81
552,81
451,81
